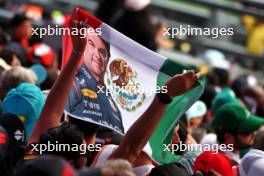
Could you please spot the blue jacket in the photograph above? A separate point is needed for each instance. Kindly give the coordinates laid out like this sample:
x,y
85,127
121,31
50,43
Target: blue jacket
x,y
86,101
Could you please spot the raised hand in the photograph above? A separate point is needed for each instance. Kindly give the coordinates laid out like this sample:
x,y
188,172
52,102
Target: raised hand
x,y
181,83
79,41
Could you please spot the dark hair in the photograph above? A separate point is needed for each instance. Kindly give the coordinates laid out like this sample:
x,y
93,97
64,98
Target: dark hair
x,y
223,76
144,32
208,95
66,133
18,19
87,128
182,130
220,135
107,46
7,54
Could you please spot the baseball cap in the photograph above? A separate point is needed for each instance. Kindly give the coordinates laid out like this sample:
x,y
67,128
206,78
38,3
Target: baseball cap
x,y
252,163
210,162
198,109
12,134
227,95
46,165
40,72
216,59
25,101
233,117
41,53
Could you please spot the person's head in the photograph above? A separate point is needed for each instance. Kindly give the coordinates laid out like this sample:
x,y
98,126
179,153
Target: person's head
x,y
195,115
117,167
45,166
223,75
234,124
66,134
179,135
13,77
25,101
22,27
220,66
96,56
9,57
212,164
240,85
171,169
227,95
257,93
88,129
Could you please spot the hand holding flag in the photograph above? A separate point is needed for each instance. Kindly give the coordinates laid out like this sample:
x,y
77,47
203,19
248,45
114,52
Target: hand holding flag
x,y
181,83
79,41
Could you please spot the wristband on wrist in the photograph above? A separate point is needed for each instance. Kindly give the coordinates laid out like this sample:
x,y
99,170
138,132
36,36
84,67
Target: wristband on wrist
x,y
80,53
164,98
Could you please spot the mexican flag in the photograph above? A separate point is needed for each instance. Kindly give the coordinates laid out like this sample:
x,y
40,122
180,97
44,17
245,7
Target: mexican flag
x,y
132,76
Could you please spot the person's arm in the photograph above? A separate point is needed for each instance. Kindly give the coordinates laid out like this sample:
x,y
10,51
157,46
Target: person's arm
x,y
139,133
57,97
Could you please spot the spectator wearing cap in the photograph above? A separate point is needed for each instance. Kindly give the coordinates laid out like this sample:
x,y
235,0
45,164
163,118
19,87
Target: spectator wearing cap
x,y
195,115
12,142
212,164
45,166
22,31
227,95
25,101
40,72
235,125
218,60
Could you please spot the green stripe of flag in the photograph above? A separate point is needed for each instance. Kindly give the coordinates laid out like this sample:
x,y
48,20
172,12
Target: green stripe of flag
x,y
176,109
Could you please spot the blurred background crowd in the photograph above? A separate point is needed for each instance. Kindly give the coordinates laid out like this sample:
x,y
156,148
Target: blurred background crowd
x,y
233,66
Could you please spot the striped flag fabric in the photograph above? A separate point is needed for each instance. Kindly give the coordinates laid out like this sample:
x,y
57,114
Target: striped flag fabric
x,y
130,76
